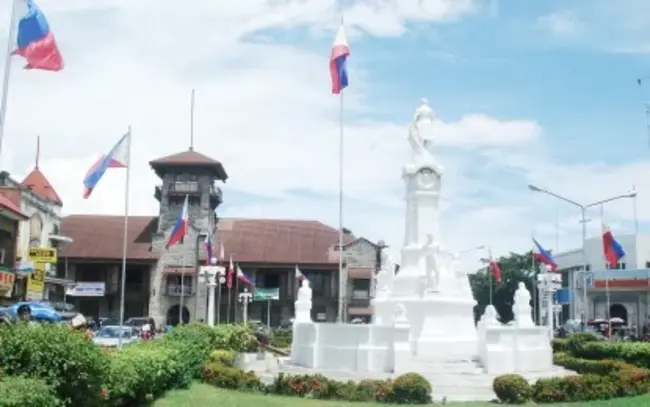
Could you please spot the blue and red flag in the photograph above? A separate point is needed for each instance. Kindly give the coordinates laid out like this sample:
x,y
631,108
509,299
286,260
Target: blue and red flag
x,y
35,40
118,157
180,227
544,256
241,276
338,62
612,249
209,247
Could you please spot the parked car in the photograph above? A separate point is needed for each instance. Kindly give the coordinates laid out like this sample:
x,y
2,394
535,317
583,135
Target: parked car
x,y
137,322
109,336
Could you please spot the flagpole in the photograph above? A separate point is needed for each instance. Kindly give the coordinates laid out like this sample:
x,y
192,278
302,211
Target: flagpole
x,y
535,290
229,286
236,291
342,280
182,299
7,71
607,294
126,231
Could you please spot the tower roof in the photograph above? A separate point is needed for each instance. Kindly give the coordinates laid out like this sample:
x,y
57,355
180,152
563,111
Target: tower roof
x,y
186,159
38,183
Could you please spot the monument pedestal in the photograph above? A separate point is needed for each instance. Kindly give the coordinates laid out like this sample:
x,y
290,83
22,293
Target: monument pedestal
x,y
442,327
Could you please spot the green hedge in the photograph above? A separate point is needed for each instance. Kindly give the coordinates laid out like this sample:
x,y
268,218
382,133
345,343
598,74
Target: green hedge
x,y
23,392
605,370
75,372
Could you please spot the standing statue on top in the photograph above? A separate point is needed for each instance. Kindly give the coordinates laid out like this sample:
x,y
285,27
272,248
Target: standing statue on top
x,y
421,136
521,307
431,251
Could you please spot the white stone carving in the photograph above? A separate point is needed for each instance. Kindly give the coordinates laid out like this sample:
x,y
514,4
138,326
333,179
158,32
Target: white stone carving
x,y
386,274
521,307
303,303
432,269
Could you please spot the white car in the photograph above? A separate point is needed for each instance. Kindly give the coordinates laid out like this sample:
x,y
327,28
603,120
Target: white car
x,y
109,336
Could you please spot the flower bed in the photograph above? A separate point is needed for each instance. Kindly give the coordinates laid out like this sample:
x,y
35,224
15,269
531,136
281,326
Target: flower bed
x,y
409,388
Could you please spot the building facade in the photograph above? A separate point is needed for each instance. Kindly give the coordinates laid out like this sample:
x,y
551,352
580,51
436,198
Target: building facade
x,y
622,292
165,284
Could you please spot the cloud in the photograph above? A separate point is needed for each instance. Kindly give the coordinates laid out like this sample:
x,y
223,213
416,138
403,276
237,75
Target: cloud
x,y
262,108
559,24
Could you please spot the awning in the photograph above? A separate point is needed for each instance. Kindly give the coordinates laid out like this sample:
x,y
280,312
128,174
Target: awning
x,y
179,270
360,311
360,273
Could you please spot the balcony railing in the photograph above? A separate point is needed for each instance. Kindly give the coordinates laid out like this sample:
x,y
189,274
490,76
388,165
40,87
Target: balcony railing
x,y
360,295
175,290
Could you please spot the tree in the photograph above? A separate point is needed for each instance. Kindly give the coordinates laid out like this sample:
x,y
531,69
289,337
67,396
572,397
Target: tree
x,y
515,268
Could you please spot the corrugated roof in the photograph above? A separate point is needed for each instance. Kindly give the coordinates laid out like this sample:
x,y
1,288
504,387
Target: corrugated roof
x,y
247,240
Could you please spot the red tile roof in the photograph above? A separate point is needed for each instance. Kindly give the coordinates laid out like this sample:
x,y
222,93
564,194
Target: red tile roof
x,y
247,240
189,158
7,205
38,183
100,237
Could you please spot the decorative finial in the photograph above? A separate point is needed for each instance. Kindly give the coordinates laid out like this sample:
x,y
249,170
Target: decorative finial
x,y
38,151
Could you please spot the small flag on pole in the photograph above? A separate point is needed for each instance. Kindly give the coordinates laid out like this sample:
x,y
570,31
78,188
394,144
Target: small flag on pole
x,y
543,256
244,278
299,275
338,62
180,227
35,40
612,249
231,273
209,247
116,158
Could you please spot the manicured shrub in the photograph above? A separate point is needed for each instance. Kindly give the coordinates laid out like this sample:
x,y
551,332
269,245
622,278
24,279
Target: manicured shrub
x,y
411,388
512,389
141,372
549,390
23,392
377,390
192,343
225,357
226,377
237,338
73,367
560,345
281,338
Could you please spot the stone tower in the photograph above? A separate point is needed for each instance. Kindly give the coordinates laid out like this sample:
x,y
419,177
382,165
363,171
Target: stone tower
x,y
193,175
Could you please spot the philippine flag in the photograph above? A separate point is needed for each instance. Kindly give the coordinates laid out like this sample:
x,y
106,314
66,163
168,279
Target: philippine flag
x,y
543,256
231,273
180,227
244,278
209,247
612,249
118,157
338,62
35,41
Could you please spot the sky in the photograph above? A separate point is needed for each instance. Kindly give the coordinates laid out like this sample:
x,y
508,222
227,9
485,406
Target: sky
x,y
540,92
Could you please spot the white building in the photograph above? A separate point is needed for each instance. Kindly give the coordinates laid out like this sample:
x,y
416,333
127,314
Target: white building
x,y
626,289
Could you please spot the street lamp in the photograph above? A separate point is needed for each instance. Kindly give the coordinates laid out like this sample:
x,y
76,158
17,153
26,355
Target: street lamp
x,y
245,298
583,210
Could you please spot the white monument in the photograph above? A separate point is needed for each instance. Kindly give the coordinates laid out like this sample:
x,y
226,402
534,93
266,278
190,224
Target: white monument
x,y
438,303
303,303
423,316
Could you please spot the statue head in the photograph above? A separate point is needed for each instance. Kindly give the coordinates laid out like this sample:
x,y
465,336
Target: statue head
x,y
522,286
305,283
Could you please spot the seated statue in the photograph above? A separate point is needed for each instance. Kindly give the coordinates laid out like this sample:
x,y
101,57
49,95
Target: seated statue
x,y
386,274
521,307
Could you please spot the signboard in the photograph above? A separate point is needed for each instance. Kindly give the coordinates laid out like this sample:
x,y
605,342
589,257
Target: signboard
x,y
266,294
7,280
42,255
563,296
87,289
36,283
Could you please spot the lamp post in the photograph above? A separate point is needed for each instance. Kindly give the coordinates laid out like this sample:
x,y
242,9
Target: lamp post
x,y
583,211
245,298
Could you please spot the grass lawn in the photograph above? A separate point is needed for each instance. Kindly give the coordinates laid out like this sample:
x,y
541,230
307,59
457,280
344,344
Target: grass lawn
x,y
207,396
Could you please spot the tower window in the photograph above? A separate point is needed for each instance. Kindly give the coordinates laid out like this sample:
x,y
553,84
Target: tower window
x,y
185,186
